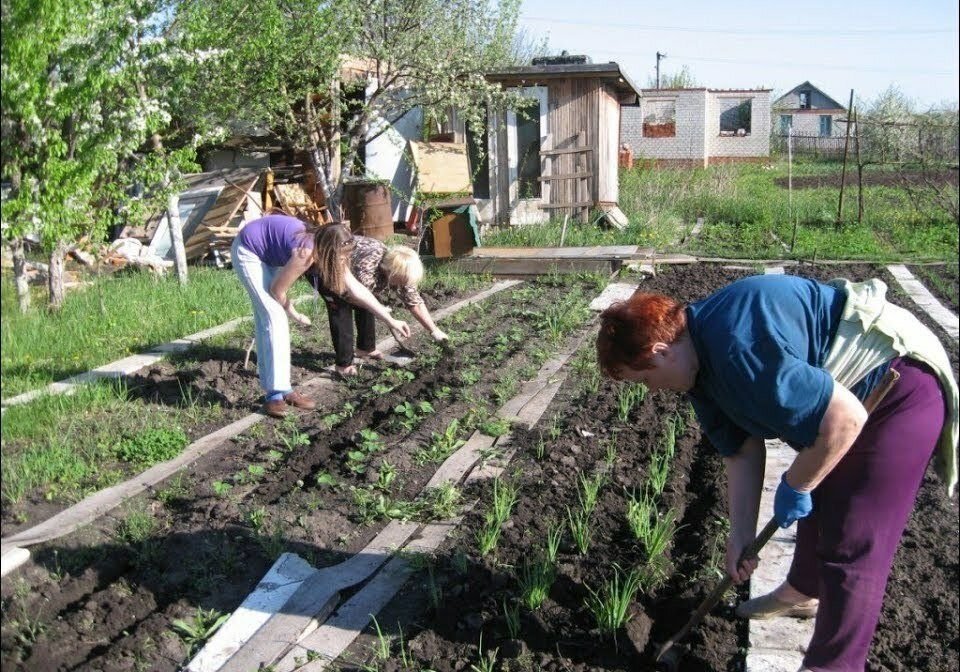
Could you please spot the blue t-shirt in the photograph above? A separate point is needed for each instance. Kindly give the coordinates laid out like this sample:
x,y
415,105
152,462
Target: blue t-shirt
x,y
761,343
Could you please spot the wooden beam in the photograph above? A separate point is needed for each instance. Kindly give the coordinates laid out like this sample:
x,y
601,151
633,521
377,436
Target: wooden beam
x,y
536,266
570,150
566,176
554,206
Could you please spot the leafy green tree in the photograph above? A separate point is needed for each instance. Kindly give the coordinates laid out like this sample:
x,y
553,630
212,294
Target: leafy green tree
x,y
682,79
78,108
282,68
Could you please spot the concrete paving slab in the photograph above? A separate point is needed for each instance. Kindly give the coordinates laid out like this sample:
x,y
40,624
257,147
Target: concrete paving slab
x,y
773,270
615,291
774,662
940,314
775,644
780,634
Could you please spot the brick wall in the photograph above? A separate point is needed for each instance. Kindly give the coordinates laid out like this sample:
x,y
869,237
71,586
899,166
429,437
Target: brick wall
x,y
697,141
756,144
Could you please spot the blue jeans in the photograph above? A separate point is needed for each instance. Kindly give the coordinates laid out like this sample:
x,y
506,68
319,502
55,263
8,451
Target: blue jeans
x,y
270,322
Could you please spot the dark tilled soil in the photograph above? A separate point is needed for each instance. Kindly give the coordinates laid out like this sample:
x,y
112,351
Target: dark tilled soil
x,y
873,179
101,600
562,635
106,598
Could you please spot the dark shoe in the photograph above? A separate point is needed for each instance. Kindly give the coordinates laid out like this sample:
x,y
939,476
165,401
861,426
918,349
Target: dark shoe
x,y
770,606
276,408
301,401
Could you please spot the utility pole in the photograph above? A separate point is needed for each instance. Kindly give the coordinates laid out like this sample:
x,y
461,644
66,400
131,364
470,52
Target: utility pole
x,y
659,58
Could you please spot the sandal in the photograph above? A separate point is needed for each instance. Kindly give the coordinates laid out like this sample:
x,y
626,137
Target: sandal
x,y
771,606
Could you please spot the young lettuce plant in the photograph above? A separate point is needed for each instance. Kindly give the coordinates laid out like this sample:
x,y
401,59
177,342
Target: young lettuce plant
x,y
442,445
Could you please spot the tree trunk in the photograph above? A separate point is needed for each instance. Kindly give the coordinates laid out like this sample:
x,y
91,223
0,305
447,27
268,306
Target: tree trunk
x,y
20,274
55,279
176,236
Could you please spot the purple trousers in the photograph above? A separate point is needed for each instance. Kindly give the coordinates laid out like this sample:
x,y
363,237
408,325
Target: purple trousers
x,y
845,547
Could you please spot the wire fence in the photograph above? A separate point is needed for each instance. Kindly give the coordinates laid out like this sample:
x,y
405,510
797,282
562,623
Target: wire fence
x,y
881,142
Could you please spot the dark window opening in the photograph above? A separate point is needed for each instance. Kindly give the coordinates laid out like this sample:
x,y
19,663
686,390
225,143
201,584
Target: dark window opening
x,y
479,160
804,100
735,117
528,152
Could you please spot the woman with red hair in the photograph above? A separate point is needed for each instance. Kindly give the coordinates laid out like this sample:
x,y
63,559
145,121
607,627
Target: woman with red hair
x,y
786,357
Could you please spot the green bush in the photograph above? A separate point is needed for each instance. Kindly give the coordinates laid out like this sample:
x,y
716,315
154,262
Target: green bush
x,y
151,446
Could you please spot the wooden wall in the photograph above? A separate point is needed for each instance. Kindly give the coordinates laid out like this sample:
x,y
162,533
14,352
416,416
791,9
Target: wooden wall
x,y
581,112
608,147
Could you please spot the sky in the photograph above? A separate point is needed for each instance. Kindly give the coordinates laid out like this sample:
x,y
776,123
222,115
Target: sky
x,y
865,45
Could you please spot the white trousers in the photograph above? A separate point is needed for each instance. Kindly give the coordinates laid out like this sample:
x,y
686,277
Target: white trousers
x,y
270,322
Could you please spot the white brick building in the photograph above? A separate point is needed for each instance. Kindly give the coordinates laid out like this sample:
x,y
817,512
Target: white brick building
x,y
698,127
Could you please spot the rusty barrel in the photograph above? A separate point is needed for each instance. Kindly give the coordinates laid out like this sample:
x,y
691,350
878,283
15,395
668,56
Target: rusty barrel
x,y
367,205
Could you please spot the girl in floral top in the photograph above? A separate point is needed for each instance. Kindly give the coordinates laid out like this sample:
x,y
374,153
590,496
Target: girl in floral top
x,y
377,268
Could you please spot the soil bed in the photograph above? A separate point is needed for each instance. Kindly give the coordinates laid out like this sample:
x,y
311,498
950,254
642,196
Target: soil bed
x,y
575,434
106,598
200,391
439,617
323,484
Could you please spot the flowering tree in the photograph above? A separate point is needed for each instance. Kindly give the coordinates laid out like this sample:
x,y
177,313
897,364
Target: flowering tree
x,y
79,103
281,68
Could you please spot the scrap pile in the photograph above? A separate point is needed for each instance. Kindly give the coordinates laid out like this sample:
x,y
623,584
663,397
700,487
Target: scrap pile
x,y
213,208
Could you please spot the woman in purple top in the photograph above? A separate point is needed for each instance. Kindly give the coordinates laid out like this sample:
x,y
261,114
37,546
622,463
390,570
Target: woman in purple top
x,y
269,255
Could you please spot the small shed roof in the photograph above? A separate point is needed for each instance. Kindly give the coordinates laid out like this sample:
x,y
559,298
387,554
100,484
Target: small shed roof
x,y
537,73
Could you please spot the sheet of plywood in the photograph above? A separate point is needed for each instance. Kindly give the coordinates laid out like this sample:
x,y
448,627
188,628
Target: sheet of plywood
x,y
442,167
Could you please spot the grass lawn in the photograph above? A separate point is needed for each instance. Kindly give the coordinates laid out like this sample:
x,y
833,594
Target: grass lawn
x,y
116,316
747,214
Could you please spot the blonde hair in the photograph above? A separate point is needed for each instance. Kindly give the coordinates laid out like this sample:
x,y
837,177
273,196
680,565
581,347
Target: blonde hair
x,y
402,266
332,245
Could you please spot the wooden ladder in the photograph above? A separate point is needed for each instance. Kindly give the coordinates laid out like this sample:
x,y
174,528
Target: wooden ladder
x,y
582,201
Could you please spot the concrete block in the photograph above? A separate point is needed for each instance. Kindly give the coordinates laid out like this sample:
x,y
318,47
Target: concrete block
x,y
789,635
773,662
615,291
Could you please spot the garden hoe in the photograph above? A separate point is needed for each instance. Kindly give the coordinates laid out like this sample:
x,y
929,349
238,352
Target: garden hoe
x,y
668,657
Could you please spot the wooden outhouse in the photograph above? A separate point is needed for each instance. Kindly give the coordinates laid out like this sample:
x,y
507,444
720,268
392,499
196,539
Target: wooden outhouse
x,y
559,155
